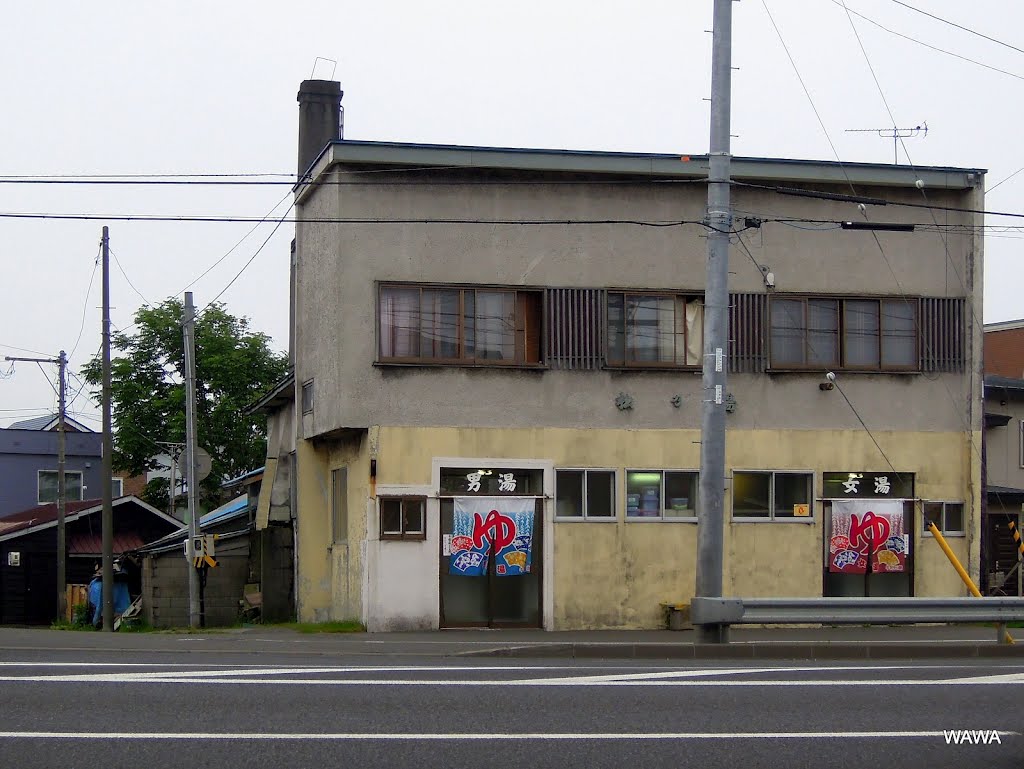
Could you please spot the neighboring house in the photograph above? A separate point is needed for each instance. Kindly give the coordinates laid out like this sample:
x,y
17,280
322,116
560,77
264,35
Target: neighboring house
x,y
1004,456
28,464
275,543
1004,349
28,551
255,565
452,358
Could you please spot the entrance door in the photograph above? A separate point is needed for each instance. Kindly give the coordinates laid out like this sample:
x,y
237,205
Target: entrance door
x,y
491,600
866,583
1003,573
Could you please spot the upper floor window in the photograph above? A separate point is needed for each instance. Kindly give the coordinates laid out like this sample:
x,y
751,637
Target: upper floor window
x,y
307,397
437,324
844,333
47,486
653,329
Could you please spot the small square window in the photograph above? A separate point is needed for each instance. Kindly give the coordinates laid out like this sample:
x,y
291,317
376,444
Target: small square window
x,y
403,518
948,517
585,494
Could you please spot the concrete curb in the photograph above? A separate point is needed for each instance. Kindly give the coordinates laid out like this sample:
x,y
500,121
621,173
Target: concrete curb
x,y
766,651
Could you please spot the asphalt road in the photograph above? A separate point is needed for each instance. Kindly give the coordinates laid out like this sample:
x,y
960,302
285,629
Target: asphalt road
x,y
142,709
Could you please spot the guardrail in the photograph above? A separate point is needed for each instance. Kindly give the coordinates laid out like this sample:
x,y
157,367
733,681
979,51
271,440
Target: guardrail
x,y
856,611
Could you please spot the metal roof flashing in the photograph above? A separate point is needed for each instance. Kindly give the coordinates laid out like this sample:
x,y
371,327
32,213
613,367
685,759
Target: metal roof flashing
x,y
347,152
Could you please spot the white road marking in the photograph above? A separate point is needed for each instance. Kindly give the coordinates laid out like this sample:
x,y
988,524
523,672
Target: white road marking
x,y
186,678
432,736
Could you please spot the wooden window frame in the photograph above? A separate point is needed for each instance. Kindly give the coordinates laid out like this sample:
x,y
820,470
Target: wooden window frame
x,y
842,344
403,535
528,342
626,363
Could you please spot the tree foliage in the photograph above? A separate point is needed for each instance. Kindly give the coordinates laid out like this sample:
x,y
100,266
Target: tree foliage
x,y
234,367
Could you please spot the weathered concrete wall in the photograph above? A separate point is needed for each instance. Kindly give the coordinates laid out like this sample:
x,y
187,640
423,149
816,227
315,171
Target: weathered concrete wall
x,y
165,586
338,268
330,582
615,574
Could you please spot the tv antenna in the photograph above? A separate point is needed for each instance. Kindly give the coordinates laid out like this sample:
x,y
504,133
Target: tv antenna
x,y
895,134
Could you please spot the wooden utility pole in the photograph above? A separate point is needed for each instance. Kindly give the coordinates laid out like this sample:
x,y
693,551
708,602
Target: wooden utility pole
x,y
62,491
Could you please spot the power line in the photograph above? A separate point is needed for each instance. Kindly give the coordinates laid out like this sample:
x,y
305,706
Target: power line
x,y
841,4
807,93
958,26
85,306
250,261
361,183
242,240
345,220
23,349
125,274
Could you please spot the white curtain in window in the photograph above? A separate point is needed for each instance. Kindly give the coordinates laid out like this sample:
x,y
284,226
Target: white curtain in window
x,y
694,333
399,322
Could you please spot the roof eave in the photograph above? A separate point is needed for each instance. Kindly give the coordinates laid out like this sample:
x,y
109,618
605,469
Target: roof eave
x,y
635,164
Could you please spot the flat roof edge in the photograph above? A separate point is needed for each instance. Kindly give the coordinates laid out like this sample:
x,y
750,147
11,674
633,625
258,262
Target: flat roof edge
x,y
642,164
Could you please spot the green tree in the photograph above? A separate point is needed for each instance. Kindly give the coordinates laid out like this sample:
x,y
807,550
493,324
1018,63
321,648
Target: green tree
x,y
234,367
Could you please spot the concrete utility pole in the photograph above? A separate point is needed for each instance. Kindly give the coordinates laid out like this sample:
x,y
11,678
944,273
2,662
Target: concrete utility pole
x,y
188,323
108,449
710,525
62,491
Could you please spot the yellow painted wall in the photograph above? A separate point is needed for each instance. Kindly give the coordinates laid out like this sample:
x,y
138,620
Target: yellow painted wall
x,y
615,574
329,575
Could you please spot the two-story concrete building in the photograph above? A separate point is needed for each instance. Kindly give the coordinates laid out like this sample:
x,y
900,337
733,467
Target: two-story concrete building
x,y
497,393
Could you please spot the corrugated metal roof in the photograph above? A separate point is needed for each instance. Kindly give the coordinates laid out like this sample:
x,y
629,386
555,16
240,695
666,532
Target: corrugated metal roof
x,y
45,516
92,544
226,512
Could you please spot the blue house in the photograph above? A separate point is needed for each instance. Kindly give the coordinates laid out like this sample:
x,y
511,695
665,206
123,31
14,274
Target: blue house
x,y
28,464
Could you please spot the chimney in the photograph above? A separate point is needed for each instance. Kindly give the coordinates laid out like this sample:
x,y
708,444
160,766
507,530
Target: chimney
x,y
319,119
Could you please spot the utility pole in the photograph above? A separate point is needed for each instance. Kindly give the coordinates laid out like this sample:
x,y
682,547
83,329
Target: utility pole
x,y
188,323
62,492
173,452
710,525
108,449
62,489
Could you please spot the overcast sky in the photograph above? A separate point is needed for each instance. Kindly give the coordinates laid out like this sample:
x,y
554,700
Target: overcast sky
x,y
209,88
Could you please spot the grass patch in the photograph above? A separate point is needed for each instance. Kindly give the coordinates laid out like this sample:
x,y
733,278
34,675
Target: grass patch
x,y
63,624
345,626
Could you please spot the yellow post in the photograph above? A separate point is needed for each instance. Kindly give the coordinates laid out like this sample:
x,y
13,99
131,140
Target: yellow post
x,y
959,568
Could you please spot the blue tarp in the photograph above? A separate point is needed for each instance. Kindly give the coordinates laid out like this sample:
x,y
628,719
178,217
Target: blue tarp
x,y
121,598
